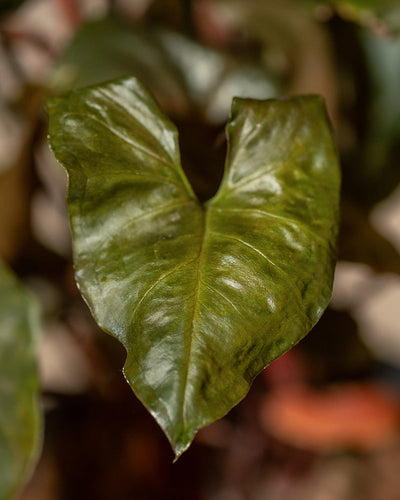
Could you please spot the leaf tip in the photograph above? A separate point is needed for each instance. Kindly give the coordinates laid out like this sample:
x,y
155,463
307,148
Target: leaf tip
x,y
181,438
180,447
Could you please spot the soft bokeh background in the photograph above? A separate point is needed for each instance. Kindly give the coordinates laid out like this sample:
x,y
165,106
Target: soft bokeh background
x,y
320,423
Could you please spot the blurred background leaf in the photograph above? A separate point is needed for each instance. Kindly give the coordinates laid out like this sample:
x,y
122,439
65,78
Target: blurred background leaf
x,y
19,384
184,75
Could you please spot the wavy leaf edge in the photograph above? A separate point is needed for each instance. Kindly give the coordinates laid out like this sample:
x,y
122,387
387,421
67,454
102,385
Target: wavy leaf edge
x,y
186,434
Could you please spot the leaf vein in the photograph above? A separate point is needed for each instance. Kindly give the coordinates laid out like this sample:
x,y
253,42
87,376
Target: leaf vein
x,y
257,211
294,287
160,209
155,284
212,289
248,180
200,258
124,138
111,96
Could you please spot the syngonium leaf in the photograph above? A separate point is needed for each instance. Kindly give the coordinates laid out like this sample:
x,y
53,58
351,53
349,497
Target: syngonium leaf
x,y
19,415
201,296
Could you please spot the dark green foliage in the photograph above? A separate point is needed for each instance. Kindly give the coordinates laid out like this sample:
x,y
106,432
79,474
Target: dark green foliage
x,y
201,296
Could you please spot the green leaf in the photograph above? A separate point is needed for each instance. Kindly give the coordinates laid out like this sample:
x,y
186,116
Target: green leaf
x,y
202,297
106,49
358,6
378,173
366,12
19,416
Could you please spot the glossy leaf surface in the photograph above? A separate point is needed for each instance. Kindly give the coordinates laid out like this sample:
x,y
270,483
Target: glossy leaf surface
x,y
19,415
202,297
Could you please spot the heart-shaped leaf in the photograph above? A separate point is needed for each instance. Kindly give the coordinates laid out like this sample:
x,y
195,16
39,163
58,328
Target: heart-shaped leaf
x,y
19,415
202,297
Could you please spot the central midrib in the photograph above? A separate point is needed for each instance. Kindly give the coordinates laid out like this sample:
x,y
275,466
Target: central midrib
x,y
195,310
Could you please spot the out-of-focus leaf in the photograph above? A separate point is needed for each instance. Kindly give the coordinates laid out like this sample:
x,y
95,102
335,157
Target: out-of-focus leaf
x,y
212,78
381,145
289,38
201,296
181,73
106,49
359,5
19,415
365,11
